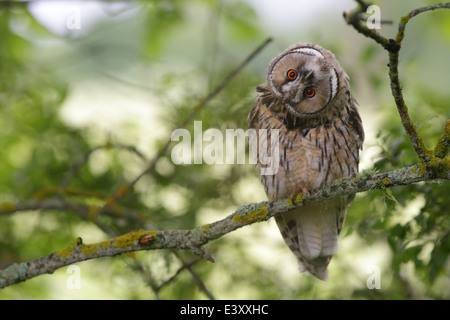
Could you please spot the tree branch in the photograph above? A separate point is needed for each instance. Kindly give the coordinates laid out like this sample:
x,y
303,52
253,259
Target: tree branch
x,y
193,240
434,165
90,212
393,47
85,211
200,105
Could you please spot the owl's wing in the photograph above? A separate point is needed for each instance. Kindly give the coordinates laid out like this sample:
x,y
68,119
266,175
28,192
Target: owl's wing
x,y
312,233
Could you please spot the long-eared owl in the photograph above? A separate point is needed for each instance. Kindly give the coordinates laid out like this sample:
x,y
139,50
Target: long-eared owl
x,y
307,100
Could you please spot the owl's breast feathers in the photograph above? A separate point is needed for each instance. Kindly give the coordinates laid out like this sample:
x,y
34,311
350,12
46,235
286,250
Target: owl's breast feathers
x,y
310,157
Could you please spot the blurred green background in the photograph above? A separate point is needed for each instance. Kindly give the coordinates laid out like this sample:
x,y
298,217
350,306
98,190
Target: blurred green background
x,y
127,73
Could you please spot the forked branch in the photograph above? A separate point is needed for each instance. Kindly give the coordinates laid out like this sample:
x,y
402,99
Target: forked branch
x,y
393,47
435,164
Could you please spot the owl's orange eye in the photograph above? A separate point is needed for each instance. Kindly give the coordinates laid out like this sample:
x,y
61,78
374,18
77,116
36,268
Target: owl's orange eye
x,y
310,92
291,74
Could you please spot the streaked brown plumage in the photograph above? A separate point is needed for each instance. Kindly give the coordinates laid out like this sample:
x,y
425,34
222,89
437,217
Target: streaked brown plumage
x,y
307,98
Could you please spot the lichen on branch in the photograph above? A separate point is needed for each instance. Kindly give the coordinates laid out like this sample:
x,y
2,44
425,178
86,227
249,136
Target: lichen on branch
x,y
393,46
194,240
434,164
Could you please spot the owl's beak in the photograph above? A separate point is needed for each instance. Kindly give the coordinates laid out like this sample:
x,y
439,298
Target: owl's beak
x,y
299,95
304,77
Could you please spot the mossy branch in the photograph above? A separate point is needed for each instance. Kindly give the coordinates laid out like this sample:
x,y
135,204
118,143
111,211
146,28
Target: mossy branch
x,y
393,47
435,164
193,240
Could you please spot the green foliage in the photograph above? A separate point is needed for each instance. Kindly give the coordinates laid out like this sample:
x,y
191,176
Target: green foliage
x,y
173,53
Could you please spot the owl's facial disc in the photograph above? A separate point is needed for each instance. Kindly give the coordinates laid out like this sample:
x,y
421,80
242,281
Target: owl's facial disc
x,y
303,81
312,92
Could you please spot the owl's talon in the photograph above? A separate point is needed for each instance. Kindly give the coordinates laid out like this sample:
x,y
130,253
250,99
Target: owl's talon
x,y
298,194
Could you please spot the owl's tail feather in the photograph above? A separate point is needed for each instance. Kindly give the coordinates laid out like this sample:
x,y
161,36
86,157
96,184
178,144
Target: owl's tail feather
x,y
316,267
312,235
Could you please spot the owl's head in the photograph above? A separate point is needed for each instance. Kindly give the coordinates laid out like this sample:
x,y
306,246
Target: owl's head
x,y
305,78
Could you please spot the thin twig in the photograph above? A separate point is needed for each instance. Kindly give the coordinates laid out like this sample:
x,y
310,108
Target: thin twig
x,y
404,20
85,211
393,47
183,267
422,151
83,159
200,283
146,276
354,18
151,166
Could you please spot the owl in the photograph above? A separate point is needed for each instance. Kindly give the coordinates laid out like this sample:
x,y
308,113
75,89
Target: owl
x,y
307,100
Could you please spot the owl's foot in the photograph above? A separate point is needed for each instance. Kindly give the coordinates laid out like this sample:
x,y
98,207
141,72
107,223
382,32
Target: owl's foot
x,y
298,194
